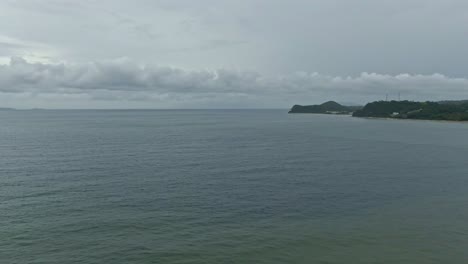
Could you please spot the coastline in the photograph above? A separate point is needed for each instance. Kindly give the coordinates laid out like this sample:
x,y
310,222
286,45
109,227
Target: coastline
x,y
385,118
411,119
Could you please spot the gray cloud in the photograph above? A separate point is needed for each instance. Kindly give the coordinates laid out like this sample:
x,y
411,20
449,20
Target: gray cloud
x,y
335,37
268,52
123,81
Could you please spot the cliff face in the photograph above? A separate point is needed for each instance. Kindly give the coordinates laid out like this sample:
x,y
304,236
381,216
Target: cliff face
x,y
329,107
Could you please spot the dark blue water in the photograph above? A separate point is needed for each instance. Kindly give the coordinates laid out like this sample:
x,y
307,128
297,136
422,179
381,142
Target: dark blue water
x,y
230,186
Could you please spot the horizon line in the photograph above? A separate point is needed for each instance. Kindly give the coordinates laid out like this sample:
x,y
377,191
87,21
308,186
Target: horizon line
x,y
136,109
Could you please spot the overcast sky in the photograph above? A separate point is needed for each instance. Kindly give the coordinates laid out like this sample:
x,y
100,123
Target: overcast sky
x,y
229,53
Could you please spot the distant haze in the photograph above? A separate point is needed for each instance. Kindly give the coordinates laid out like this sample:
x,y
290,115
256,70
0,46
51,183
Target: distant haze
x,y
230,54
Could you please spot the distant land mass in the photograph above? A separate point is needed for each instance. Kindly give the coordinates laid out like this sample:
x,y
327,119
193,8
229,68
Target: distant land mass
x,y
442,110
330,107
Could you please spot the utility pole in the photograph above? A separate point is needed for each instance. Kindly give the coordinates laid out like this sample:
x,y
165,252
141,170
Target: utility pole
x,y
399,99
386,97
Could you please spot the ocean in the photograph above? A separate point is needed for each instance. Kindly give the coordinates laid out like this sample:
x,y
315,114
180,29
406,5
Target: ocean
x,y
230,186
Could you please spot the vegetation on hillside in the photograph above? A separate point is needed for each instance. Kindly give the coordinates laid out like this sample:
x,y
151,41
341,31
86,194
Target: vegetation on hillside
x,y
415,110
329,107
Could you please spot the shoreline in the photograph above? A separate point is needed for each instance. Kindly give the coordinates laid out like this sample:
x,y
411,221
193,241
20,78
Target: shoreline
x,y
385,118
412,119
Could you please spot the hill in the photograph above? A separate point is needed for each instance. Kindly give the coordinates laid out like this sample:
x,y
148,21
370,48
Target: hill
x,y
330,107
415,110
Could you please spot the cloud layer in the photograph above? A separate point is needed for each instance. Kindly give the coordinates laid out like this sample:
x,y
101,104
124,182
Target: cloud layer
x,y
335,37
125,84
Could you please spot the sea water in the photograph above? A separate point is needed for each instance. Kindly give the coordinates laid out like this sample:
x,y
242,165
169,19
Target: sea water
x,y
230,186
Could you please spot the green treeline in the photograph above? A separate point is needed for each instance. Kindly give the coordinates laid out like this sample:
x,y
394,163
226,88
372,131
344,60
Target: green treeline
x,y
329,107
415,110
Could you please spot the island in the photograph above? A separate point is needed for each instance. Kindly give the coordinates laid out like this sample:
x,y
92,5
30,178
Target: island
x,y
444,110
330,107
